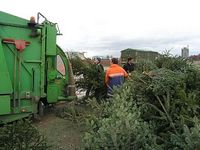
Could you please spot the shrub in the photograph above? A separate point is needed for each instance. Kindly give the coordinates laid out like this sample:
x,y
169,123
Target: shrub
x,y
188,139
21,135
120,127
142,66
90,78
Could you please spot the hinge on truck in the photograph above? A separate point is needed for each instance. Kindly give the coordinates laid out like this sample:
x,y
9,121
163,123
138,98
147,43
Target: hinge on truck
x,y
19,44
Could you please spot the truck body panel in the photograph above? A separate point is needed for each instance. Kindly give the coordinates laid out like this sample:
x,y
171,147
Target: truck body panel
x,y
28,67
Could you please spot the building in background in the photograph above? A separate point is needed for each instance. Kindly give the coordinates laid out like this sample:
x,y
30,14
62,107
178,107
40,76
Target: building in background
x,y
185,52
195,59
138,54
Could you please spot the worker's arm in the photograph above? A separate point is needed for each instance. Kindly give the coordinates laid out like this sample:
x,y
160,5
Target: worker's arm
x,y
125,73
125,67
107,77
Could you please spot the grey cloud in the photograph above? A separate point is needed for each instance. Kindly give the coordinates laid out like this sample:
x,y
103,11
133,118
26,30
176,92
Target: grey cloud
x,y
154,42
113,45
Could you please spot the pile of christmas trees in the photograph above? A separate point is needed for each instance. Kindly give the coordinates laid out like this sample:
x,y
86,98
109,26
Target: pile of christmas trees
x,y
158,108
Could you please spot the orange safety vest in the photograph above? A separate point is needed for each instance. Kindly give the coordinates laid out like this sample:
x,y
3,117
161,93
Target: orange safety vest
x,y
115,75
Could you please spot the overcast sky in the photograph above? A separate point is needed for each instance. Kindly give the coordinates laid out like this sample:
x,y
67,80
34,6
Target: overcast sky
x,y
105,27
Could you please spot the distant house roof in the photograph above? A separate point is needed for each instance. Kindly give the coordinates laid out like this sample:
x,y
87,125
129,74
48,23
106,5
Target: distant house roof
x,y
140,50
105,62
195,57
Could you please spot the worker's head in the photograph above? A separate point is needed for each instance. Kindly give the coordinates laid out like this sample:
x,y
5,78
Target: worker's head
x,y
114,61
130,59
97,60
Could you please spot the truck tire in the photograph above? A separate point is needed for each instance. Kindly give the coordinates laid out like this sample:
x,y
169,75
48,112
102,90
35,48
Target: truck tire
x,y
41,109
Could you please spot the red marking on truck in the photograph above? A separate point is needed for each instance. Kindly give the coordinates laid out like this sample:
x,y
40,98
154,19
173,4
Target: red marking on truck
x,y
19,44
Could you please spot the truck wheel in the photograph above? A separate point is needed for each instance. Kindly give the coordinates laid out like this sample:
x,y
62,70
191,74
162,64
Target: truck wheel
x,y
41,108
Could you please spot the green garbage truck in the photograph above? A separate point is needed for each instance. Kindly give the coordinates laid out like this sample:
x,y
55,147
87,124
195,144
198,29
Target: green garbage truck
x,y
34,70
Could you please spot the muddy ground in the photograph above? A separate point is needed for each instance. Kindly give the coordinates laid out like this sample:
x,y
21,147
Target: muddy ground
x,y
61,134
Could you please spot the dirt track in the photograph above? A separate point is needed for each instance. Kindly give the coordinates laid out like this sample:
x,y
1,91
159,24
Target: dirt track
x,y
62,134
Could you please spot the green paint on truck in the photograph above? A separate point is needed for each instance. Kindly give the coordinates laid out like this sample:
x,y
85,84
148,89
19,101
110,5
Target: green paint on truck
x,y
29,73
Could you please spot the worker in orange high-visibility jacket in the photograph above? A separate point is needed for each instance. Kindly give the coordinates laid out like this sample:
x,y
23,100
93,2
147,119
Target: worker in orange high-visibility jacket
x,y
115,76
